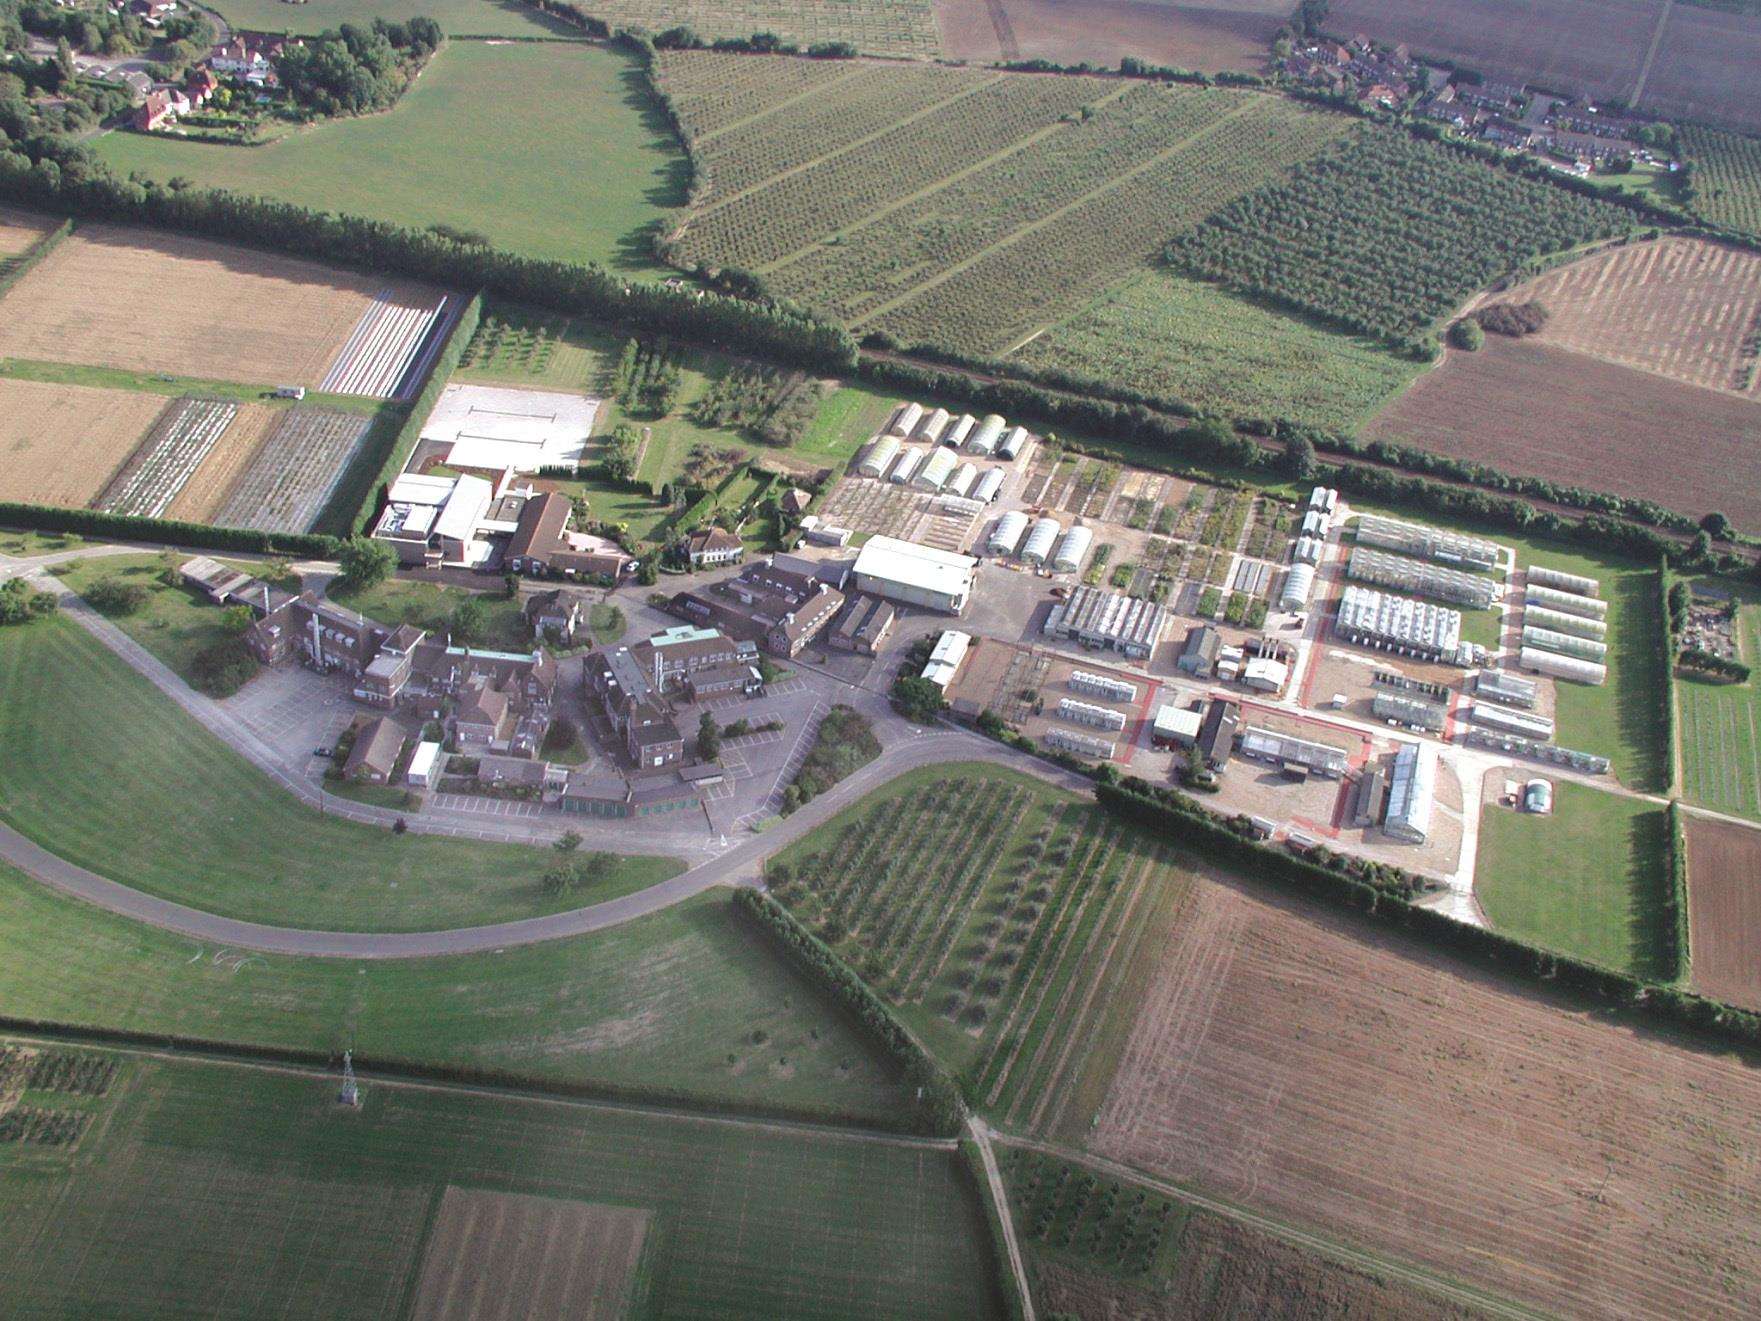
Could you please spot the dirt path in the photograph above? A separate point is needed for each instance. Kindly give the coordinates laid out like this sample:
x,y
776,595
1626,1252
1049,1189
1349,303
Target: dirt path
x,y
981,1134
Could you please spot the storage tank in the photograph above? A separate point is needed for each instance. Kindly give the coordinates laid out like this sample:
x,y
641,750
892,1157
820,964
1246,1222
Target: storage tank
x,y
933,426
1013,442
961,482
956,435
1006,536
906,419
879,456
937,469
989,485
906,468
1072,548
1299,584
1041,537
989,432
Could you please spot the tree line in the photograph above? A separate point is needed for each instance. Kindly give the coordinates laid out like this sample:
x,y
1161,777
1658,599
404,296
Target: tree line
x,y
356,69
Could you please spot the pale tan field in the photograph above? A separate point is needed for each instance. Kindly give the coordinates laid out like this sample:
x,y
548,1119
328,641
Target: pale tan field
x,y
210,485
19,230
61,444
126,298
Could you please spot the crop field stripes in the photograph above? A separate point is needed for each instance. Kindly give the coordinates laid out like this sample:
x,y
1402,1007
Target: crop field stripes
x,y
713,91
295,472
168,457
812,90
386,344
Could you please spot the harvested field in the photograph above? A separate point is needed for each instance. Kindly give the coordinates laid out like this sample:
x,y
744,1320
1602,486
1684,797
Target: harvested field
x,y
206,490
1705,68
60,444
242,315
20,231
1724,909
1683,308
880,27
1229,34
1548,412
295,471
494,1255
1314,1068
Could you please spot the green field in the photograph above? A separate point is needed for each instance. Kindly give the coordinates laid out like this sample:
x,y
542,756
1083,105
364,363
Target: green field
x,y
547,149
1720,731
1163,334
1011,924
662,1002
215,1190
430,605
99,767
488,18
1590,880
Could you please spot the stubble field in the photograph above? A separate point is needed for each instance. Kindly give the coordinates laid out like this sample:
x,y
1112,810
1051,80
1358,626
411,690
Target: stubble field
x,y
20,231
61,444
1228,34
1298,1063
1724,909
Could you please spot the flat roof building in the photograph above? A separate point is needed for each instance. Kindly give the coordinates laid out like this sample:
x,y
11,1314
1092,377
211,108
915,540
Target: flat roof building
x,y
1399,624
944,660
1176,727
1106,619
1385,569
493,428
915,575
1284,750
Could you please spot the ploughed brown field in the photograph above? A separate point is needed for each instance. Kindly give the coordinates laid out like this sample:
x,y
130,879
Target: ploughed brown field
x,y
1683,308
218,312
1533,409
1229,34
20,230
61,444
1704,66
1724,909
1316,1069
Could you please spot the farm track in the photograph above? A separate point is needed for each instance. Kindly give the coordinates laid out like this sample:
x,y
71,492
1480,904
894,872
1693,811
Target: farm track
x,y
1033,227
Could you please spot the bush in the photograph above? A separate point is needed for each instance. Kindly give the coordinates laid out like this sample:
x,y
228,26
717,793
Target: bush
x,y
917,699
113,596
1511,319
1467,334
222,668
20,602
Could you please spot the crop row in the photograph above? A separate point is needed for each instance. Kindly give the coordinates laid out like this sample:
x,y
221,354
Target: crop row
x,y
1724,177
525,346
1020,285
295,471
882,27
47,1128
72,1072
772,221
1386,235
712,89
887,258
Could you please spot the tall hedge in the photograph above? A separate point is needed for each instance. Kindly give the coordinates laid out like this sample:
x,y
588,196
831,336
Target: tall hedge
x,y
126,527
1678,890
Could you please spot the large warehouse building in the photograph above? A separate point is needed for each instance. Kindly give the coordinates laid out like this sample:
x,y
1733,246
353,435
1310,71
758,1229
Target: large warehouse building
x,y
915,575
1384,569
1400,624
1428,543
492,429
1107,619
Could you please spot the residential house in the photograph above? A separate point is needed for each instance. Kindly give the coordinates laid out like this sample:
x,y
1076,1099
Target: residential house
x,y
543,545
200,86
373,758
158,109
557,616
708,547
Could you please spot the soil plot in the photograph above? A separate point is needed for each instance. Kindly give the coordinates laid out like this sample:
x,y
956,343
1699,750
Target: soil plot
x,y
60,444
1724,909
505,1255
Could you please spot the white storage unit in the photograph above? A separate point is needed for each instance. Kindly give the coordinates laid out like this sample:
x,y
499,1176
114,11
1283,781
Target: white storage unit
x,y
956,435
1041,537
1412,789
1072,548
906,419
1307,550
961,482
1567,603
1006,536
1545,639
990,431
934,425
1299,585
1524,723
420,771
1068,740
1176,727
1324,498
1559,580
944,660
1103,685
990,485
880,455
1013,442
906,467
1563,667
1087,713
1316,524
937,469
1560,622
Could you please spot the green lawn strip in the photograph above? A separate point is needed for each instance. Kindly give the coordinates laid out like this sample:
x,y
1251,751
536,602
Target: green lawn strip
x,y
99,767
1588,880
247,1191
490,18
26,542
845,421
431,605
1720,725
112,378
568,130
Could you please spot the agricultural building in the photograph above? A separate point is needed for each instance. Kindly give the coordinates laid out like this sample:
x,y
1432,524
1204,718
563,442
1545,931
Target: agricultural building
x,y
880,456
1087,713
1428,543
1399,624
1284,751
1199,656
1413,712
1175,728
1007,534
906,419
1567,603
959,506
1216,736
1106,619
1565,644
1541,576
494,429
1589,763
1324,499
1500,686
1041,537
990,431
1299,585
1014,439
1560,622
1265,675
1383,569
826,534
944,660
915,575
430,520
1538,797
1563,667
1103,686
1412,789
934,425
1068,740
1307,550
937,469
1371,797
961,482
1502,718
990,485
956,435
1072,548
1316,524
906,468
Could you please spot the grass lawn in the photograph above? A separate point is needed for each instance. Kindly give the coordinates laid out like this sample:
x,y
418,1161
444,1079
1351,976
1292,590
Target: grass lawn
x,y
98,766
26,542
215,1190
663,1001
1589,880
173,387
548,149
846,420
1163,334
1720,727
430,605
490,18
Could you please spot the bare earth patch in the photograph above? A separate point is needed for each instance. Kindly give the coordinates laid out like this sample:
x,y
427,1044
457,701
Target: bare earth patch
x,y
1230,34
208,487
1724,909
20,230
61,444
1314,1069
496,1255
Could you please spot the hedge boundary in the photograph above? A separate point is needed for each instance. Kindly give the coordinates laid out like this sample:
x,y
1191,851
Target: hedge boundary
x,y
171,532
38,250
1678,886
1009,1288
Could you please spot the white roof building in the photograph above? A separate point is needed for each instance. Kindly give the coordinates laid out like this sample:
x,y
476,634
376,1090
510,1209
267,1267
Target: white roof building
x,y
1412,788
421,768
494,429
1006,536
944,660
990,431
937,469
956,435
879,455
916,575
990,483
1041,537
961,482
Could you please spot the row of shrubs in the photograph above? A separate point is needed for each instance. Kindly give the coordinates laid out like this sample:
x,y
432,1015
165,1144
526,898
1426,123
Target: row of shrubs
x,y
941,1109
170,531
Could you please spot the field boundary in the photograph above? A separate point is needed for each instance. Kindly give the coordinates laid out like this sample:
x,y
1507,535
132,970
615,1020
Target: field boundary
x,y
806,94
21,265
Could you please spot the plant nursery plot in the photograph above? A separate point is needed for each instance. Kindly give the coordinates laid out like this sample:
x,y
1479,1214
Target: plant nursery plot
x,y
1726,176
295,471
717,91
62,444
878,27
242,315
1720,731
457,18
1724,907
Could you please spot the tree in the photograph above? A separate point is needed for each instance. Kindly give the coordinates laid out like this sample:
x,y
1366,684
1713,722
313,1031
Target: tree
x,y
114,596
1717,526
567,843
709,738
1299,458
917,699
510,585
237,619
20,602
365,562
467,620
648,572
1468,334
1701,550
